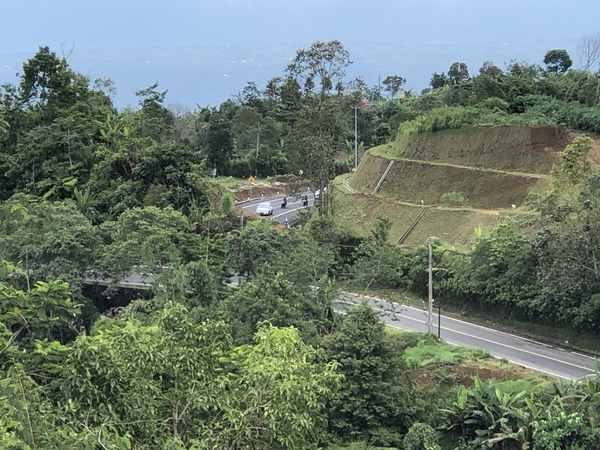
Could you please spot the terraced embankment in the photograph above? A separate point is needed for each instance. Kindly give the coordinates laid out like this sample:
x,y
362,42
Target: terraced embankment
x,y
412,181
358,213
512,148
492,168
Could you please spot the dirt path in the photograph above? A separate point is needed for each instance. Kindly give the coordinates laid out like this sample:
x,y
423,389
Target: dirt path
x,y
480,169
489,212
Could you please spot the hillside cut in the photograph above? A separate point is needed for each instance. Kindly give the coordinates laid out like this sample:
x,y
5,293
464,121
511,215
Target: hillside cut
x,y
491,167
525,149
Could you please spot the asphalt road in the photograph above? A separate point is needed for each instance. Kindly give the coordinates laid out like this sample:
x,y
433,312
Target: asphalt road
x,y
279,214
554,361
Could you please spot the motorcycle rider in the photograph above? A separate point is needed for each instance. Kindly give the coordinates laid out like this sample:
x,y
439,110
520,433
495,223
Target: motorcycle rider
x,y
284,202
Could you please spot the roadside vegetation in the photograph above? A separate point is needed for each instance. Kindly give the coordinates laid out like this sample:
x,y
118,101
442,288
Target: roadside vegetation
x,y
90,191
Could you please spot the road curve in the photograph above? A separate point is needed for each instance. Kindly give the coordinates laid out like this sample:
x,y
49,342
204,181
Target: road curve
x,y
554,361
279,214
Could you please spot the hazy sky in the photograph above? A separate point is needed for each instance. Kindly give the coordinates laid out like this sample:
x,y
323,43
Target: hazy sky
x,y
87,24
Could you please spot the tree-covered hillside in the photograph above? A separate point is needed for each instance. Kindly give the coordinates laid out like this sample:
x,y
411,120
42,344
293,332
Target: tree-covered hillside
x,y
90,191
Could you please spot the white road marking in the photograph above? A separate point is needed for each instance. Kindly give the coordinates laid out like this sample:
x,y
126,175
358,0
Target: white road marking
x,y
496,357
484,339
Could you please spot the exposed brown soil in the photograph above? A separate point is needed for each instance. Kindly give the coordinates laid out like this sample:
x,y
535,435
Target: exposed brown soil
x,y
492,167
594,156
359,213
370,170
513,148
413,181
428,376
252,192
549,137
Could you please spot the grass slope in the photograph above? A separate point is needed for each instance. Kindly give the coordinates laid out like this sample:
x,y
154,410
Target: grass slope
x,y
369,171
493,167
436,364
359,213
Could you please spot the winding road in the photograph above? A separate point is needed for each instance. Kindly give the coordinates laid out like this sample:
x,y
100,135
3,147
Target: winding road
x,y
554,361
279,214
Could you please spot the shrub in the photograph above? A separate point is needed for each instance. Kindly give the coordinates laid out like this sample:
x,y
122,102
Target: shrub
x,y
421,436
227,203
453,198
494,103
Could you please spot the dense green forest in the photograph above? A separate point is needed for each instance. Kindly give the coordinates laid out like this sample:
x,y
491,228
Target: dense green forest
x,y
196,364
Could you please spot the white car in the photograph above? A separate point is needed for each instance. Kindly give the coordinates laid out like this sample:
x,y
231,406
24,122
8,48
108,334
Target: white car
x,y
264,209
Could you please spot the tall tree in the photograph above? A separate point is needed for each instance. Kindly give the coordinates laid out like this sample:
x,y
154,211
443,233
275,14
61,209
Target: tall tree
x,y
220,145
148,239
558,61
321,67
393,83
56,118
438,80
50,240
277,398
589,51
458,72
375,402
490,69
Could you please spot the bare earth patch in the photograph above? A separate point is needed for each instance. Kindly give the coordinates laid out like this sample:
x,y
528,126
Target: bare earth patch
x,y
462,373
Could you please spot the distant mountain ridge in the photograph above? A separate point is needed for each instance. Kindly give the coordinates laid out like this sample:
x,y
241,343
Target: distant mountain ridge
x,y
208,75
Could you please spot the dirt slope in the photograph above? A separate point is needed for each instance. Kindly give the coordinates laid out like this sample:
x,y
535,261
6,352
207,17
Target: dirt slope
x,y
492,167
512,148
413,181
358,213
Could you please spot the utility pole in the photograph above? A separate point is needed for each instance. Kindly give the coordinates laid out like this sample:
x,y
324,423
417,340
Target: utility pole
x,y
430,305
242,220
257,146
439,320
355,138
257,140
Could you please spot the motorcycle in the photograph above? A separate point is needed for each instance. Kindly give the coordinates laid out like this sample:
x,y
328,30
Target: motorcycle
x,y
284,203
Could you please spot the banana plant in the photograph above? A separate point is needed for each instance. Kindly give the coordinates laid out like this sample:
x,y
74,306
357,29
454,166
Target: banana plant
x,y
458,414
67,184
488,414
83,199
350,146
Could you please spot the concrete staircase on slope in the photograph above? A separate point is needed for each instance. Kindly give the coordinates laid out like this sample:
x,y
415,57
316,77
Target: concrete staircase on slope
x,y
387,170
411,227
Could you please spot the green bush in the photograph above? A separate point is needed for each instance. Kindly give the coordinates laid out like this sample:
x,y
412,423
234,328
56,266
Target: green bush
x,y
227,203
453,198
494,103
421,437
